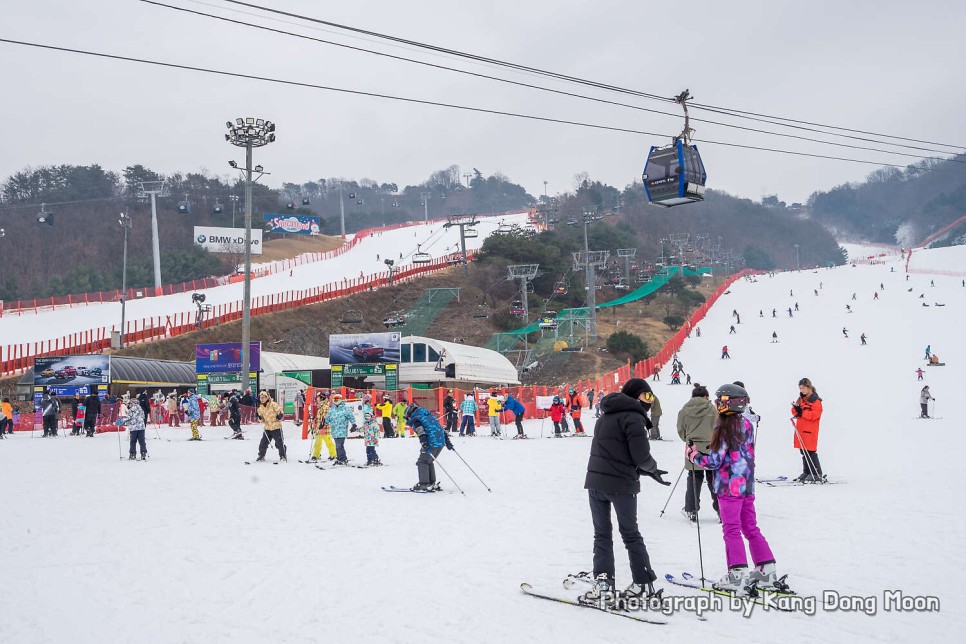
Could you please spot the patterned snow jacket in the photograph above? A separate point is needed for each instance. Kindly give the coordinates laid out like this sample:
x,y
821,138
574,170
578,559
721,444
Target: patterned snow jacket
x,y
734,467
320,417
135,417
424,422
371,430
468,407
340,418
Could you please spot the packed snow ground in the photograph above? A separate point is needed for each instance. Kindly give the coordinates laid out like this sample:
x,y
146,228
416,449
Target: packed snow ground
x,y
48,324
195,546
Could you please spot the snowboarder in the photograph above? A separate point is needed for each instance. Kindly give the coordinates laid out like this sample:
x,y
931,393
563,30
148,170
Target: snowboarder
x,y
449,407
493,413
339,419
862,338
732,457
695,424
924,398
432,439
919,372
724,353
511,404
270,413
807,414
468,422
619,454
557,413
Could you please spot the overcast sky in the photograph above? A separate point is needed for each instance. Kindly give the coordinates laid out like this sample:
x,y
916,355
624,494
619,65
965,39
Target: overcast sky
x,y
885,66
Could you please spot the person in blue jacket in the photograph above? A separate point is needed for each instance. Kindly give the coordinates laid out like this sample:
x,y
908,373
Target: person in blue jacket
x,y
432,439
340,420
514,405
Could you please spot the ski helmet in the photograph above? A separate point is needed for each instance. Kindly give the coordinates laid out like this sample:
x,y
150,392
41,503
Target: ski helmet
x,y
556,399
410,410
337,398
731,399
367,399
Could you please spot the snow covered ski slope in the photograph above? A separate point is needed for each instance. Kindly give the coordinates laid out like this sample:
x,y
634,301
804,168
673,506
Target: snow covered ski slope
x,y
195,546
431,238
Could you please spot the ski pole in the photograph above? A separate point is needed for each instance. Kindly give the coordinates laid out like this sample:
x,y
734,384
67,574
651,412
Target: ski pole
x,y
697,522
472,470
436,462
808,458
683,467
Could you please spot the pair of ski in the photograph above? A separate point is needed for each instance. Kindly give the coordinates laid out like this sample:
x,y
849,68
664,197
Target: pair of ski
x,y
393,488
253,462
784,481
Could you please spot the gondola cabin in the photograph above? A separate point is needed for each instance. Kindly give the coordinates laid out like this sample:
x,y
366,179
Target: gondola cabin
x,y
674,175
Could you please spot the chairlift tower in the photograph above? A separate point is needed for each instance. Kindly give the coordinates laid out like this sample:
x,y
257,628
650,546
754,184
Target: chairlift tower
x,y
525,273
154,189
425,197
589,261
680,240
627,254
464,222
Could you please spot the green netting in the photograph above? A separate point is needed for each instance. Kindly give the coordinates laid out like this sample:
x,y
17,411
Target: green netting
x,y
582,312
424,312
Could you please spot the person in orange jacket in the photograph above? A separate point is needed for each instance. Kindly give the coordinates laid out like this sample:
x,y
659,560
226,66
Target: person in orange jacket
x,y
575,402
807,413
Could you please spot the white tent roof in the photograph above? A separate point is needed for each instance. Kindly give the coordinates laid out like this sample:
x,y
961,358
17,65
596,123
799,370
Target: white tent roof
x,y
273,363
473,364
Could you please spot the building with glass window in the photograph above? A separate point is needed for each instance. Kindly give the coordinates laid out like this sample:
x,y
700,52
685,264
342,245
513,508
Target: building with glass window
x,y
425,361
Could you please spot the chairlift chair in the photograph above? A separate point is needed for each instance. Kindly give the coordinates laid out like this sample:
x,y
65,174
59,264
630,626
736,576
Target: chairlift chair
x,y
560,288
482,311
218,208
290,205
394,319
351,316
470,233
419,257
516,307
184,207
305,201
548,320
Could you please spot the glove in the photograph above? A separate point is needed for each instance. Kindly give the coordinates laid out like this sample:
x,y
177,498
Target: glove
x,y
424,442
656,475
449,444
690,451
279,416
119,422
798,410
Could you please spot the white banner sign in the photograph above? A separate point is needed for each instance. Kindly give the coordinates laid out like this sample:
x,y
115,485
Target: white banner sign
x,y
544,402
227,240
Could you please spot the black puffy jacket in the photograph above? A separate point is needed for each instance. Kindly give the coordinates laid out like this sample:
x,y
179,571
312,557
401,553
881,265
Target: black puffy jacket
x,y
620,451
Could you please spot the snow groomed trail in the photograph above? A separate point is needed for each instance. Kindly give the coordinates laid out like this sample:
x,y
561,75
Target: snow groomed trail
x,y
193,545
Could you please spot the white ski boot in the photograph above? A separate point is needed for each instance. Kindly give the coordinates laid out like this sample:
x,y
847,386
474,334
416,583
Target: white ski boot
x,y
765,577
736,581
603,588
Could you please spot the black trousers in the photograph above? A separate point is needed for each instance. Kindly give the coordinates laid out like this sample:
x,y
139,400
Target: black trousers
x,y
518,419
451,420
235,423
426,465
137,438
272,435
625,505
387,430
925,409
692,498
50,425
813,457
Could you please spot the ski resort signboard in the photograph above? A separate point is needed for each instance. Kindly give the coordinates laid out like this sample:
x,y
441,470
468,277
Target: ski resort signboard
x,y
227,240
293,224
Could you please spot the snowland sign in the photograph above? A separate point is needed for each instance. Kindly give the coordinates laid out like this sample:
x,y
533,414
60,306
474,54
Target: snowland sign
x,y
227,240
293,224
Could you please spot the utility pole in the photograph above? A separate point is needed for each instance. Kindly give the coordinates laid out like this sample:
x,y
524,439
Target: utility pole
x,y
425,197
154,189
798,265
248,133
126,223
627,254
463,223
341,212
467,176
545,196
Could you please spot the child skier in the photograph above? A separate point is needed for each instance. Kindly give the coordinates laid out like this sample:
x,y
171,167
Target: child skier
x,y
732,458
134,419
432,439
493,413
193,413
270,413
468,409
370,433
557,412
340,418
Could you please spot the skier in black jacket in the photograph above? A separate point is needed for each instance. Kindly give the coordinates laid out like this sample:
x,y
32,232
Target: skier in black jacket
x,y
619,454
449,406
145,405
234,416
92,407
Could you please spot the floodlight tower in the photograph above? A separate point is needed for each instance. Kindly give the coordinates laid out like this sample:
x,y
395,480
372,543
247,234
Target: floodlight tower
x,y
248,133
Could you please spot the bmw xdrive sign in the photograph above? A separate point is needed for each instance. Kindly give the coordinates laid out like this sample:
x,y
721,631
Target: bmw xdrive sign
x,y
227,240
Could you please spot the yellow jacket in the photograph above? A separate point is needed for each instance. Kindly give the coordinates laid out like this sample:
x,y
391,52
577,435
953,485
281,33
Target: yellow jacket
x,y
493,406
268,413
385,408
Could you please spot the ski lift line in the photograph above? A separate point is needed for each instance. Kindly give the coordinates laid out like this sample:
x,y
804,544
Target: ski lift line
x,y
468,108
559,76
570,94
582,96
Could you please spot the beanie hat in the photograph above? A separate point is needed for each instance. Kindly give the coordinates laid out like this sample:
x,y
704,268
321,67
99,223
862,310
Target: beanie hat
x,y
635,387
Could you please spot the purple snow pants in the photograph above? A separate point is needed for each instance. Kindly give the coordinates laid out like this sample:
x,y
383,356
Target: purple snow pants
x,y
737,518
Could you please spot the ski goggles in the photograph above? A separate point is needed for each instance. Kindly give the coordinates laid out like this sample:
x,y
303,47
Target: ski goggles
x,y
648,397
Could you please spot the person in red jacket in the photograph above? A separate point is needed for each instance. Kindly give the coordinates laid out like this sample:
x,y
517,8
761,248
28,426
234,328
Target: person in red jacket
x,y
807,413
557,412
575,402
